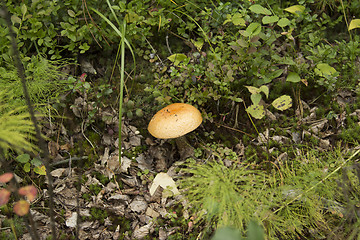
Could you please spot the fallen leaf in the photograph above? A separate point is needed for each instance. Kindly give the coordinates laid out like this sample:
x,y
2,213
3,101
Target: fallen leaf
x,y
72,220
165,181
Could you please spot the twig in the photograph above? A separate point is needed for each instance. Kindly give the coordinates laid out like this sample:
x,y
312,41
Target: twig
x,y
167,44
68,160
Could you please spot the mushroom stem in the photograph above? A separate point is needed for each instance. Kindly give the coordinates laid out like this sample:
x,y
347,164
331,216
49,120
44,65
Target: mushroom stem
x,y
184,148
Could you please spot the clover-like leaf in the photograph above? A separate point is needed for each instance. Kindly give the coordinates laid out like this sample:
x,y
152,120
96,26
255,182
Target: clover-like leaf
x,y
21,207
4,196
6,177
41,170
23,158
29,191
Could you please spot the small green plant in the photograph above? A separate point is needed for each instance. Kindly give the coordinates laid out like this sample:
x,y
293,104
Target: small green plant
x,y
16,128
294,197
28,164
45,81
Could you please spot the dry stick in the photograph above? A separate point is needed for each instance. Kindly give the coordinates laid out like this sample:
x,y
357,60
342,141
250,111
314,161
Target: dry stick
x,y
20,68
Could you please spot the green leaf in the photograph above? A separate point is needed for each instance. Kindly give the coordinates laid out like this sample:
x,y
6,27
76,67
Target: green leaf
x,y
276,74
23,158
256,111
283,22
27,167
282,103
355,23
293,77
255,98
198,44
296,9
258,9
270,19
178,58
71,13
252,30
23,9
265,90
324,70
36,162
15,19
253,90
237,19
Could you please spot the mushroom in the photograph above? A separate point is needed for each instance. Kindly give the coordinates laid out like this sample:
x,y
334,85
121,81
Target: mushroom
x,y
174,121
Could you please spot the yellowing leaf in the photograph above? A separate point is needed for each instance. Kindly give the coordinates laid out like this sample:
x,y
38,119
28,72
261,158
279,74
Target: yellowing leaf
x,y
296,9
178,58
198,44
324,70
282,103
256,111
355,23
253,90
40,170
237,19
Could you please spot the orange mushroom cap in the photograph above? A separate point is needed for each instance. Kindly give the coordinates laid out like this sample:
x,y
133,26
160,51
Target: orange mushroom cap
x,y
174,121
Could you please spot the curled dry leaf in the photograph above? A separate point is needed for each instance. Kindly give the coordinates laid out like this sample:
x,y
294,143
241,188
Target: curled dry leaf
x,y
21,208
4,196
6,177
29,191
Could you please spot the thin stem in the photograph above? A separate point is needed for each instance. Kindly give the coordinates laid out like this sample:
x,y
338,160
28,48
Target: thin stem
x,y
121,84
347,24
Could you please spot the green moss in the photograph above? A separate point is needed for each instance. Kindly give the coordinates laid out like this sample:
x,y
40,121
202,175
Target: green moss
x,y
95,189
98,214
